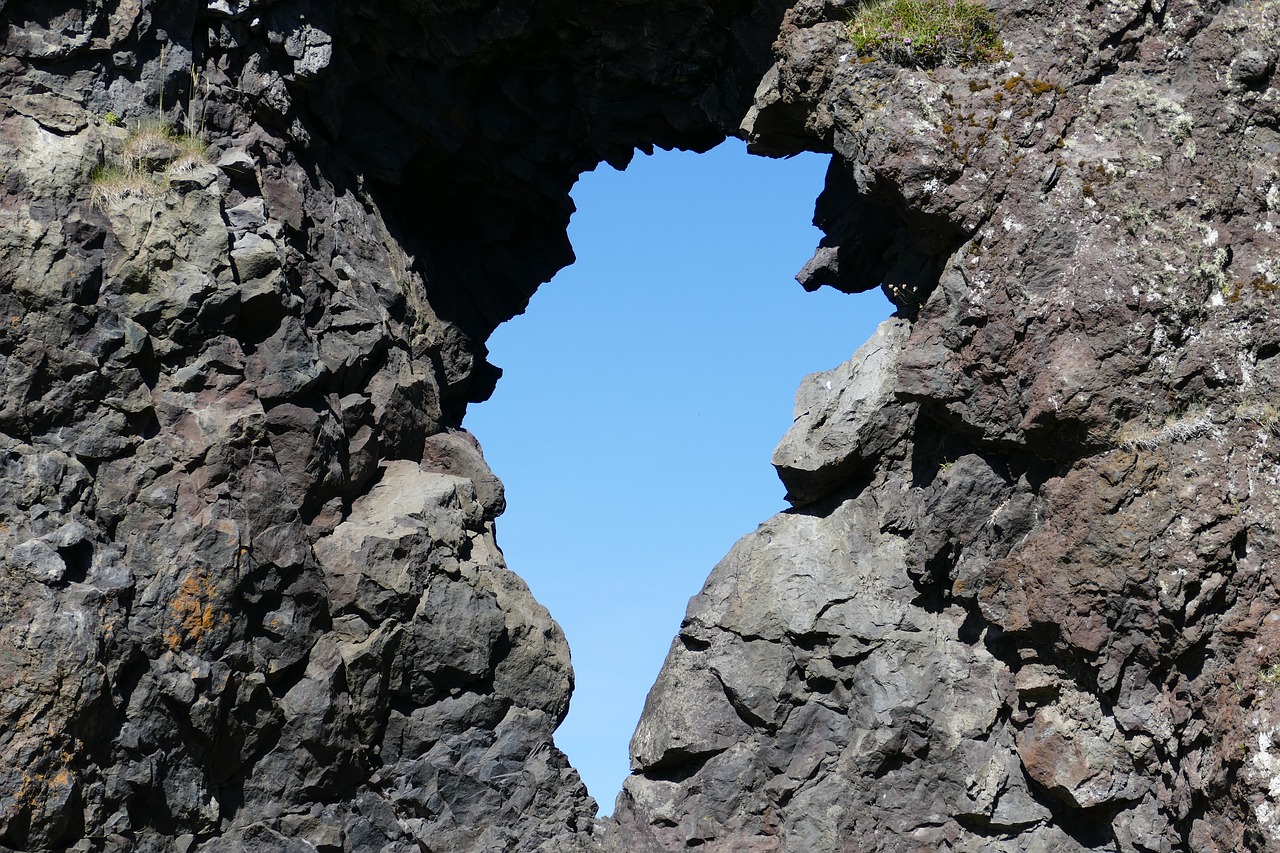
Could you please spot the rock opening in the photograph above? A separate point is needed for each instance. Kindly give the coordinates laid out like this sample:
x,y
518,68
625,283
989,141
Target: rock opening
x,y
642,394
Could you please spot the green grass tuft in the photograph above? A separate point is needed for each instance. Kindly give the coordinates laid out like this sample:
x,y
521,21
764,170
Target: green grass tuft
x,y
926,33
153,153
112,185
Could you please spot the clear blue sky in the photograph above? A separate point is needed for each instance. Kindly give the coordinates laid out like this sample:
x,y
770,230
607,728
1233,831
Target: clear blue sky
x,y
644,391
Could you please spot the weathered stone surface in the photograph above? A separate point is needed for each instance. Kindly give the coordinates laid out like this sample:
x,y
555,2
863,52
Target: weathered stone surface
x,y
251,597
844,418
1028,585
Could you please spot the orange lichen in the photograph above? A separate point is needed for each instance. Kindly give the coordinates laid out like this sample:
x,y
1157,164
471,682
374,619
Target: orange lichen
x,y
192,613
1260,285
1036,86
39,787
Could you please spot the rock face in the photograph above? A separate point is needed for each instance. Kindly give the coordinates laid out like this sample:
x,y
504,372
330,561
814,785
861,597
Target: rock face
x,y
1026,599
251,595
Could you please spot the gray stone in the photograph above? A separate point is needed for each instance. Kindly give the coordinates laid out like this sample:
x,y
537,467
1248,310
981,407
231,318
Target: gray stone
x,y
1250,66
254,257
237,161
39,559
843,418
247,216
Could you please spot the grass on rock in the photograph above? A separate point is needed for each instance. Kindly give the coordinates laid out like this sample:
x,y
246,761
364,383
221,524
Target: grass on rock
x,y
926,33
153,152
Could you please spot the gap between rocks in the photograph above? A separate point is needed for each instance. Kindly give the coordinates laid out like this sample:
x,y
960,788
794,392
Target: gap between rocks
x,y
642,396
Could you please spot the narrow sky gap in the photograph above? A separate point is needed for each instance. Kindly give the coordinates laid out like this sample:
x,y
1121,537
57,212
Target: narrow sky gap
x,y
644,390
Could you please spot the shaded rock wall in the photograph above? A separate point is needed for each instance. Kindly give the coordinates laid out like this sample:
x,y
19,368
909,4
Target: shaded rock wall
x,y
252,597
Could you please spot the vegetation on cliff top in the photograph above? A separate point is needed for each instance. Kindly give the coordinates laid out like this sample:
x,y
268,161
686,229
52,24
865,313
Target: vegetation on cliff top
x,y
926,33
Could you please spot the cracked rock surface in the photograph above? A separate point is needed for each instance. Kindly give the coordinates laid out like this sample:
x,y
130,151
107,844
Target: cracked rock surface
x,y
1026,598
250,592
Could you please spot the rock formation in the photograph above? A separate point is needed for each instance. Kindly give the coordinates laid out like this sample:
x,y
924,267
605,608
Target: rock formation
x,y
1026,599
251,594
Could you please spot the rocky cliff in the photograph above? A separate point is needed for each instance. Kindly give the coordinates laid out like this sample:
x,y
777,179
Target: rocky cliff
x,y
250,252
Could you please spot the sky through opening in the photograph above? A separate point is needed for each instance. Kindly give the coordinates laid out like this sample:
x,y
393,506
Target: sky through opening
x,y
643,393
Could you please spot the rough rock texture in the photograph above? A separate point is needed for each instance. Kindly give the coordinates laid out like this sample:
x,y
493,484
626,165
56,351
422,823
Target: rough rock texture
x,y
1026,600
251,594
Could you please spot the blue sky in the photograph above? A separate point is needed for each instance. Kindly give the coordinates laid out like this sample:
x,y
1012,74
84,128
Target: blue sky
x,y
644,391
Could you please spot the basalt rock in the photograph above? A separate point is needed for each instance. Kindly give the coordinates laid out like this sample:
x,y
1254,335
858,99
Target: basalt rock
x,y
1026,598
249,255
251,594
